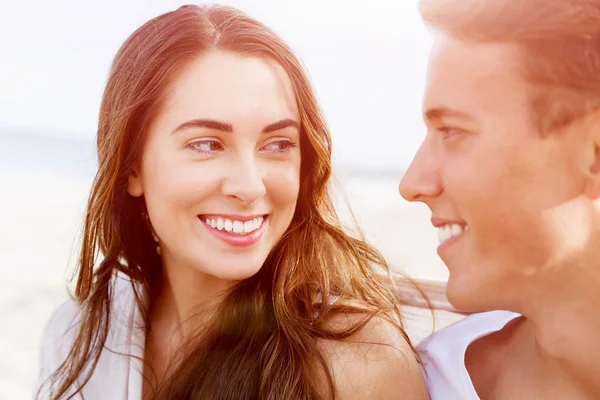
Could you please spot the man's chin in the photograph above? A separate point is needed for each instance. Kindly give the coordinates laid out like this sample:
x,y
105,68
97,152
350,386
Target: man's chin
x,y
465,296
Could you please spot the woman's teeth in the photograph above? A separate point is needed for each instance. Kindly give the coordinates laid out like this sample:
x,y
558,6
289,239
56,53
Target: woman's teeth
x,y
447,232
234,226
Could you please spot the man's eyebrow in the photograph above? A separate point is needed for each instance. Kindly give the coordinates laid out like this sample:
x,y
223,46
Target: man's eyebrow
x,y
437,113
205,123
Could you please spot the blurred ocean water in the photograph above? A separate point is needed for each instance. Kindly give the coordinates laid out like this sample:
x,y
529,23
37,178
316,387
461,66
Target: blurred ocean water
x,y
27,155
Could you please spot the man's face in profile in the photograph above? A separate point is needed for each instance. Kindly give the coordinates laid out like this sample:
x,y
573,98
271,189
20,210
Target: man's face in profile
x,y
504,197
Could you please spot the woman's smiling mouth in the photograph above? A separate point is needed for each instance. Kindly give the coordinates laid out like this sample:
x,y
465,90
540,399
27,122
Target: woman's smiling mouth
x,y
235,230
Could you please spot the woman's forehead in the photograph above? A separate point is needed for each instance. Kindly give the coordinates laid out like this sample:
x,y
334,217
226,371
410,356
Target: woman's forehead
x,y
222,84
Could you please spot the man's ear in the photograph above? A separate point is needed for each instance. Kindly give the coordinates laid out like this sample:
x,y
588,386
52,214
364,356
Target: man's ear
x,y
134,185
590,130
592,189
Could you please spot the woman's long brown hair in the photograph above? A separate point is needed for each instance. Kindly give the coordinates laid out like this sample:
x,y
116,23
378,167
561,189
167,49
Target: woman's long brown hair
x,y
262,342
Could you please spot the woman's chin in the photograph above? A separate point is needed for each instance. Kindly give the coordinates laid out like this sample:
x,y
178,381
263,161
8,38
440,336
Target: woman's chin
x,y
232,272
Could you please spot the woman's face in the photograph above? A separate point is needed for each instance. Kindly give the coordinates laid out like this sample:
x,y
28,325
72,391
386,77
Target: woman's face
x,y
220,169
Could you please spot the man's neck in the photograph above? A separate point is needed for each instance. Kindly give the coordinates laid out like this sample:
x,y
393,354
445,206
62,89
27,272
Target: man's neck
x,y
560,336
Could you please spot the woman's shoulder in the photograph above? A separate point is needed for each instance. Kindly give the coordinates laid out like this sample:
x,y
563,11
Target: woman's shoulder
x,y
57,338
443,353
62,327
65,319
376,362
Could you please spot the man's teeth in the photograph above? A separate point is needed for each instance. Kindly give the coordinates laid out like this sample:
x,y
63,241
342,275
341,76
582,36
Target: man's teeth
x,y
233,226
447,232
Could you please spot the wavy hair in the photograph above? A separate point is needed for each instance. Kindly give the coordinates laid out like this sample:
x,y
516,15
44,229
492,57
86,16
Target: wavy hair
x,y
263,341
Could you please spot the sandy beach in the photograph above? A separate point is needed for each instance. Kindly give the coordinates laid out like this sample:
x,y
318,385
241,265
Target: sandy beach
x,y
40,222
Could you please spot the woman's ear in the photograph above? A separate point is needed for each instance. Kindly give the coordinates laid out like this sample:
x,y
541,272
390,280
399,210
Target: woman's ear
x,y
134,186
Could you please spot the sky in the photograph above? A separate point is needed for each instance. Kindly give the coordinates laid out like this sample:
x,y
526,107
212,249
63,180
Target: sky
x,y
367,61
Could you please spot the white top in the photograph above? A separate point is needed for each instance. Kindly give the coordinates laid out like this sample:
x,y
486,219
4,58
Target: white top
x,y
116,376
444,352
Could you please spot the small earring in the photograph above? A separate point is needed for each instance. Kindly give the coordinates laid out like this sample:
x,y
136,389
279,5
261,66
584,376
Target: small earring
x,y
157,242
154,237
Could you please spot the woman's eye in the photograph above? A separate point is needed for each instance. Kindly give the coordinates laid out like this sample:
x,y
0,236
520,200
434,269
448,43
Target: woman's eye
x,y
206,146
280,146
